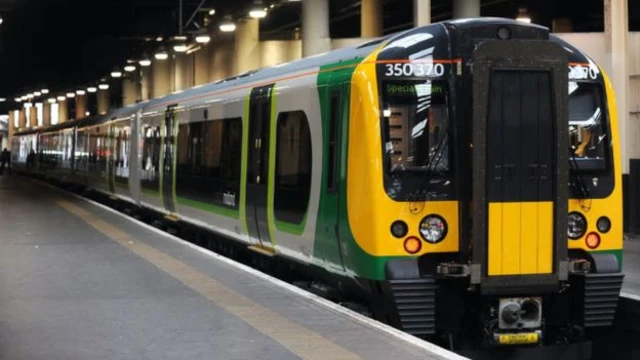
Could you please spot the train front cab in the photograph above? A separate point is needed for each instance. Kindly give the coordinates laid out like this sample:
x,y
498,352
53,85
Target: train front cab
x,y
501,188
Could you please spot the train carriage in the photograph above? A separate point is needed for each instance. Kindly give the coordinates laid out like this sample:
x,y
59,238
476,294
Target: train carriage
x,y
462,177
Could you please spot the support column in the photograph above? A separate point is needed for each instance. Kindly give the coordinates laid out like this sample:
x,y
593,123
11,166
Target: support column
x,y
81,107
222,63
63,110
202,60
315,27
146,83
421,12
371,22
33,116
103,101
12,127
46,114
466,9
23,118
161,77
128,91
183,71
247,54
616,29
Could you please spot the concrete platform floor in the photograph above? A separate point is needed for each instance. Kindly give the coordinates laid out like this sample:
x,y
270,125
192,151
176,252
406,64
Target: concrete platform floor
x,y
631,266
78,281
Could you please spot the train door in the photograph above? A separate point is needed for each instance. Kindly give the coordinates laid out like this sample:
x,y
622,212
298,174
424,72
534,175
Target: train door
x,y
167,160
111,157
258,164
519,137
334,204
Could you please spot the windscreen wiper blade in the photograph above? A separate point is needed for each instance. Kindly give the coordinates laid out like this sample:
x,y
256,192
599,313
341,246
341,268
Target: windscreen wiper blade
x,y
582,187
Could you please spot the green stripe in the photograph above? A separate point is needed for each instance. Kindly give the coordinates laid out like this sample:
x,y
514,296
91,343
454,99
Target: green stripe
x,y
212,208
149,191
243,165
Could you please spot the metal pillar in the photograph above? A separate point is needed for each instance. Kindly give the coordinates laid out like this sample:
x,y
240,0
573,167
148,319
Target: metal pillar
x,y
421,12
371,22
466,9
315,27
616,31
247,50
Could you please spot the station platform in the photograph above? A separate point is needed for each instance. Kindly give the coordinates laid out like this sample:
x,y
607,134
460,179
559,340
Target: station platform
x,y
81,281
631,267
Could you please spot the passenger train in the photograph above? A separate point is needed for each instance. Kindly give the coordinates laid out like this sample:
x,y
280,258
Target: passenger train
x,y
464,178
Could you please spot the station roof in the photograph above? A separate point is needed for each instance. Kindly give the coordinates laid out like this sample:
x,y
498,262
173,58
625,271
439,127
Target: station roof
x,y
72,42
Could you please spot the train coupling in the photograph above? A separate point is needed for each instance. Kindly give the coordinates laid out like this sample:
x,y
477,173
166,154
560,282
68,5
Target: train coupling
x,y
519,321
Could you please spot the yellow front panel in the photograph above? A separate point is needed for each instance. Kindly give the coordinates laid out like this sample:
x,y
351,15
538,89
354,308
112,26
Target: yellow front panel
x,y
370,209
520,238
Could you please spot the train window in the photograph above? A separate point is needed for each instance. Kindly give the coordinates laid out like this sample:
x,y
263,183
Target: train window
x,y
209,156
149,175
416,122
122,146
587,126
293,167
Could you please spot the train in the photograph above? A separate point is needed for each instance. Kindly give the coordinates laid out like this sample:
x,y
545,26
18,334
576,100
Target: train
x,y
462,178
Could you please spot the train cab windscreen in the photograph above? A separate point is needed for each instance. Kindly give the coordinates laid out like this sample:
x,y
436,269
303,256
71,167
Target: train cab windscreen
x,y
416,135
587,126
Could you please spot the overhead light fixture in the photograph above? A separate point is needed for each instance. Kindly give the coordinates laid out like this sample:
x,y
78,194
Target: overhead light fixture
x,y
258,11
37,93
227,25
116,74
81,92
62,98
103,86
161,55
159,39
1,20
87,113
3,99
145,61
44,91
29,96
92,89
71,95
203,39
212,12
18,99
129,68
180,48
25,98
523,16
51,100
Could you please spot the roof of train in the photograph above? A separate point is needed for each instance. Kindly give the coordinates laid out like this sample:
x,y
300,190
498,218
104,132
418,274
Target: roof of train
x,y
334,56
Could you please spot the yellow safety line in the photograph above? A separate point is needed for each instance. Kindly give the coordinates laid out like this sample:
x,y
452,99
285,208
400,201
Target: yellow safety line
x,y
298,339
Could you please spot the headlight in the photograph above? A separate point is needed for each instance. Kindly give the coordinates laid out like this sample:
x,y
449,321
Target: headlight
x,y
577,225
433,229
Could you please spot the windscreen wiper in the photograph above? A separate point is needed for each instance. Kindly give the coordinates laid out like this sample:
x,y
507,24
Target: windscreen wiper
x,y
582,187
